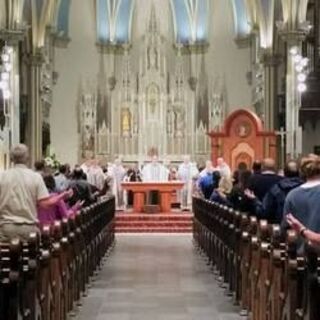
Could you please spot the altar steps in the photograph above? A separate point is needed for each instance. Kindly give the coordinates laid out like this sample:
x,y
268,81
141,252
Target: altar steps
x,y
154,223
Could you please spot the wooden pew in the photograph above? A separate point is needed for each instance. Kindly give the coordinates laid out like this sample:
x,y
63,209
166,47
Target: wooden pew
x,y
46,277
261,267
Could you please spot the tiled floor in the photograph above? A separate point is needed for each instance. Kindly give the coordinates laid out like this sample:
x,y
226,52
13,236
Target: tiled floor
x,y
156,277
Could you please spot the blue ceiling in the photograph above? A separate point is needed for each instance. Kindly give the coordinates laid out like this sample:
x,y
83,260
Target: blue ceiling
x,y
241,19
63,19
191,20
114,21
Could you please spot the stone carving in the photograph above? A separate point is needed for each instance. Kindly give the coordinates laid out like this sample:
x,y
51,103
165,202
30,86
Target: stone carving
x,y
149,105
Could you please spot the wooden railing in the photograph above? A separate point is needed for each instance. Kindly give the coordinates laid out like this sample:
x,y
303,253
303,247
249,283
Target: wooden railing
x,y
259,267
46,277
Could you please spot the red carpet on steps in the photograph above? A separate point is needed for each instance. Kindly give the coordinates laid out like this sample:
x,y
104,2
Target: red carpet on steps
x,y
176,222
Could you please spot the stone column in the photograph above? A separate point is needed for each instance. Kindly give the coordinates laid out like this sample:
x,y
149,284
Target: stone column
x,y
35,109
270,62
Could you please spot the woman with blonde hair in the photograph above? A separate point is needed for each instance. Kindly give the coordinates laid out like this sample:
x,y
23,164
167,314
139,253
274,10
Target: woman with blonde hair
x,y
223,191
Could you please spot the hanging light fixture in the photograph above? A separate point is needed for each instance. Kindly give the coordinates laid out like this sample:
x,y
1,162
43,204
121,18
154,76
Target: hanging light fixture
x,y
302,87
5,71
302,77
294,51
300,66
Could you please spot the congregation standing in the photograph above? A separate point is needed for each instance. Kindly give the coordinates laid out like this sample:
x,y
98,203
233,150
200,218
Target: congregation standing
x,y
30,199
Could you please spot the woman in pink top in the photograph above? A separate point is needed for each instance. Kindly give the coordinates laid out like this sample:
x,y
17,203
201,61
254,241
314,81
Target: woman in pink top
x,y
60,210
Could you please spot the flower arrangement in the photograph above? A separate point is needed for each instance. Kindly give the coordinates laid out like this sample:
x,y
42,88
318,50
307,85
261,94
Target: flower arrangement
x,y
52,162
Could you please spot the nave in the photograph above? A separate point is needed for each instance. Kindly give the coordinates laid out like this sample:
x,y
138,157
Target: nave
x,y
156,277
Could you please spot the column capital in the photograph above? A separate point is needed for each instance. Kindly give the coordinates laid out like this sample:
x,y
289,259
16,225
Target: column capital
x,y
35,58
270,59
293,36
12,37
243,42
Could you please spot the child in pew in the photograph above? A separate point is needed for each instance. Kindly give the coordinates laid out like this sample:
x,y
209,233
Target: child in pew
x,y
60,210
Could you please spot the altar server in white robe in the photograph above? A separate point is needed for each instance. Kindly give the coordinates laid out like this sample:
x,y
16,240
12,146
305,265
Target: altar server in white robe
x,y
95,175
187,172
118,173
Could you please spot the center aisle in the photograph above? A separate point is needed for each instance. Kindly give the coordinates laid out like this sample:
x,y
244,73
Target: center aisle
x,y
156,277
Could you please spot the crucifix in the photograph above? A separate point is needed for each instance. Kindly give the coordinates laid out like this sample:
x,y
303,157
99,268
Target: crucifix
x,y
282,134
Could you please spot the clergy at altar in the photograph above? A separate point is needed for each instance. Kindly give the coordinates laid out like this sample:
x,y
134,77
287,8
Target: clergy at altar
x,y
118,172
187,172
155,171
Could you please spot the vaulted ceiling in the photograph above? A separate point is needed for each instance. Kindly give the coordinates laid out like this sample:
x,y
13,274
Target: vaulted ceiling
x,y
192,19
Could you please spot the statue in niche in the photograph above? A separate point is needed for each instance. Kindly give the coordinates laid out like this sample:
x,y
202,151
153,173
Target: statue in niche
x,y
179,123
170,121
126,122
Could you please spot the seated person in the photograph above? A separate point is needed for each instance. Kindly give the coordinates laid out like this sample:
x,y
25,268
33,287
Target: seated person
x,y
60,210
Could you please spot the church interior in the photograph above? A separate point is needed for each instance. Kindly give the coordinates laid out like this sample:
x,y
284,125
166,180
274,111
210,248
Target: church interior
x,y
159,159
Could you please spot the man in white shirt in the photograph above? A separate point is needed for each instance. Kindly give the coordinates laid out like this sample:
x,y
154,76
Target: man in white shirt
x,y
22,191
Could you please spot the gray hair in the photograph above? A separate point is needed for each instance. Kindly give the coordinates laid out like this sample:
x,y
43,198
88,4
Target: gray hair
x,y
19,154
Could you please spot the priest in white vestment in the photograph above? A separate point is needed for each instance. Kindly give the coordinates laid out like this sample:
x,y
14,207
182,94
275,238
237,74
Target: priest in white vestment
x,y
95,175
118,172
154,172
187,172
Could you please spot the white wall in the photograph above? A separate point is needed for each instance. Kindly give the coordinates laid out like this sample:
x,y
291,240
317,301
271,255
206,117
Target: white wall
x,y
226,60
80,62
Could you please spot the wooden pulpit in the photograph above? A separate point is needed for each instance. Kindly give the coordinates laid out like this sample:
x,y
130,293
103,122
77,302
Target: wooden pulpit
x,y
242,140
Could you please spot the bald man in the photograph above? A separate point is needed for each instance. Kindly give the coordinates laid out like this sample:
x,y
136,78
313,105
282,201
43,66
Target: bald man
x,y
262,182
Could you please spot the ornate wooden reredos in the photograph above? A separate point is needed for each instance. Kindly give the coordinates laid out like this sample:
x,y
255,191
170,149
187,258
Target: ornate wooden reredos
x,y
242,140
